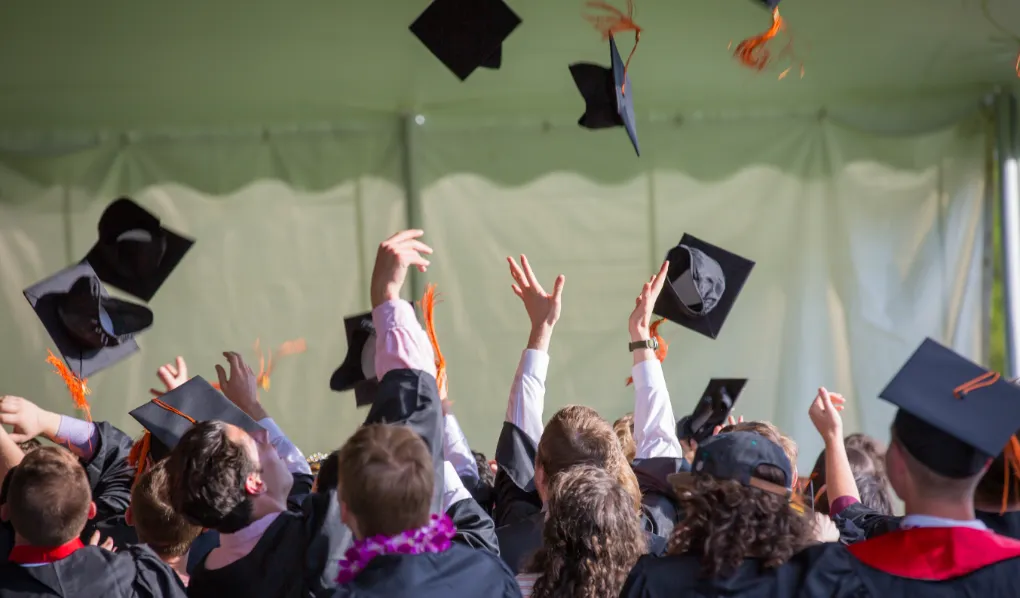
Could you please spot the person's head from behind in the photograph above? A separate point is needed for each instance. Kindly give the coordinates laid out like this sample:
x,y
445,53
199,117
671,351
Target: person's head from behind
x,y
485,473
328,477
927,466
591,537
860,464
871,447
223,478
736,504
624,428
386,481
577,435
770,431
874,492
164,530
29,445
49,500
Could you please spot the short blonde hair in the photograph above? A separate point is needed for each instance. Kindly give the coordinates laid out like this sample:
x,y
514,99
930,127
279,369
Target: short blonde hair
x,y
389,479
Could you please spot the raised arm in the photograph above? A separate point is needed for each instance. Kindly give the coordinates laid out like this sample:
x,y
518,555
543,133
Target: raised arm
x,y
654,423
839,482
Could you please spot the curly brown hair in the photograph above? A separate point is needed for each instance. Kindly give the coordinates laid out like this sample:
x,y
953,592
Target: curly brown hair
x,y
624,428
726,522
591,539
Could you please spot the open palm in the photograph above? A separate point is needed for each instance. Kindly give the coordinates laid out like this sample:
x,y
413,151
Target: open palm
x,y
543,308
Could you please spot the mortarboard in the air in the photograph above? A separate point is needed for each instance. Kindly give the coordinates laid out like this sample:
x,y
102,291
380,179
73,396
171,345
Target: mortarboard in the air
x,y
168,417
92,331
713,408
134,252
954,415
608,95
703,284
466,34
357,372
769,4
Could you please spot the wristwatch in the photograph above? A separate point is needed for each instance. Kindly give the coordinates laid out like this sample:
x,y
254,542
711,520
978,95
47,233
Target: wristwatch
x,y
645,344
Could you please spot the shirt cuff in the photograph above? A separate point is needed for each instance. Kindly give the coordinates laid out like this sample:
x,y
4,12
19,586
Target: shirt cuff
x,y
648,374
453,488
535,363
840,504
79,436
275,432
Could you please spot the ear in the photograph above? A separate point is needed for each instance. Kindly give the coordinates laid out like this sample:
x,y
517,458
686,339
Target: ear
x,y
540,483
348,520
129,517
254,485
92,510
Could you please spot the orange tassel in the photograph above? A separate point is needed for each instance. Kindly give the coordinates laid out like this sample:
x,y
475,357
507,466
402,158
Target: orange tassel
x,y
428,308
613,23
663,349
78,387
1012,472
752,52
266,364
139,456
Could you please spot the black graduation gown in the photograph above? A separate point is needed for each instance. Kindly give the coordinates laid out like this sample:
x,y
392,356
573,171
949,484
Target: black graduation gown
x,y
91,572
680,575
657,497
459,572
1006,524
518,541
299,552
928,562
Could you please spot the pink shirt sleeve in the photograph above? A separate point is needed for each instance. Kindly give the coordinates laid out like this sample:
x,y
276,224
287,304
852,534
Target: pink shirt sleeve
x,y
400,341
839,504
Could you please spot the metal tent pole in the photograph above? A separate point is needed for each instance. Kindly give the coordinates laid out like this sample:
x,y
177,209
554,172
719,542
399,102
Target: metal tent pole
x,y
1009,218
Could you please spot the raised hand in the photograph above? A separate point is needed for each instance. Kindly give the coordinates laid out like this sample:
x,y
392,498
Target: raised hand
x,y
824,413
171,375
27,418
543,308
394,257
640,318
241,387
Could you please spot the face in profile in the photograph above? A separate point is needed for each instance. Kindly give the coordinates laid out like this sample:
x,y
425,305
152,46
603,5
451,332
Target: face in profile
x,y
276,479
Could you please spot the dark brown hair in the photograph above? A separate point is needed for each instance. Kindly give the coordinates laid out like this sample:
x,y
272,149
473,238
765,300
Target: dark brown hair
x,y
386,479
49,497
165,531
624,428
871,447
577,435
726,522
874,493
29,445
207,475
860,465
591,538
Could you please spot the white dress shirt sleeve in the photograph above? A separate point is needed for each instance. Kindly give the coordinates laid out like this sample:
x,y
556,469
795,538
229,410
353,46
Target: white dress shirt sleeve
x,y
654,424
453,489
290,454
527,394
456,449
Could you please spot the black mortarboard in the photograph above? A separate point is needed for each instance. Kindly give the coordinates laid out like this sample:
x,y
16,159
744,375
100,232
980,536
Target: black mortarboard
x,y
357,371
703,284
134,252
197,400
91,330
466,34
608,95
712,409
769,4
954,415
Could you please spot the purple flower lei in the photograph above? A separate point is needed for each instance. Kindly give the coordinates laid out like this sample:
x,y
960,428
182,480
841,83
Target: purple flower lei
x,y
435,536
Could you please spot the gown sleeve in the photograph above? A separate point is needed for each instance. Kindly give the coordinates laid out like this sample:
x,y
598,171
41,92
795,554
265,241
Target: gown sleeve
x,y
110,476
514,493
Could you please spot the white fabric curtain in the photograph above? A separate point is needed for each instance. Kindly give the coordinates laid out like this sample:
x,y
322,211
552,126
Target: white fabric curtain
x,y
864,245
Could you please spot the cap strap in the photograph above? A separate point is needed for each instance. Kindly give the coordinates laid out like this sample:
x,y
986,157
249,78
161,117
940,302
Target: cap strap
x,y
663,349
613,23
770,487
982,381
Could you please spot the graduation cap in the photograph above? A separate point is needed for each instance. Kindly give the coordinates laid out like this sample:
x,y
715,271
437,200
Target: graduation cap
x,y
91,330
608,95
712,409
704,281
168,417
357,372
954,415
466,34
769,4
134,252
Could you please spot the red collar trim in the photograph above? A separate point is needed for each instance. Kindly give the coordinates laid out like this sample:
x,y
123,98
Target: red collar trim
x,y
935,553
37,555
